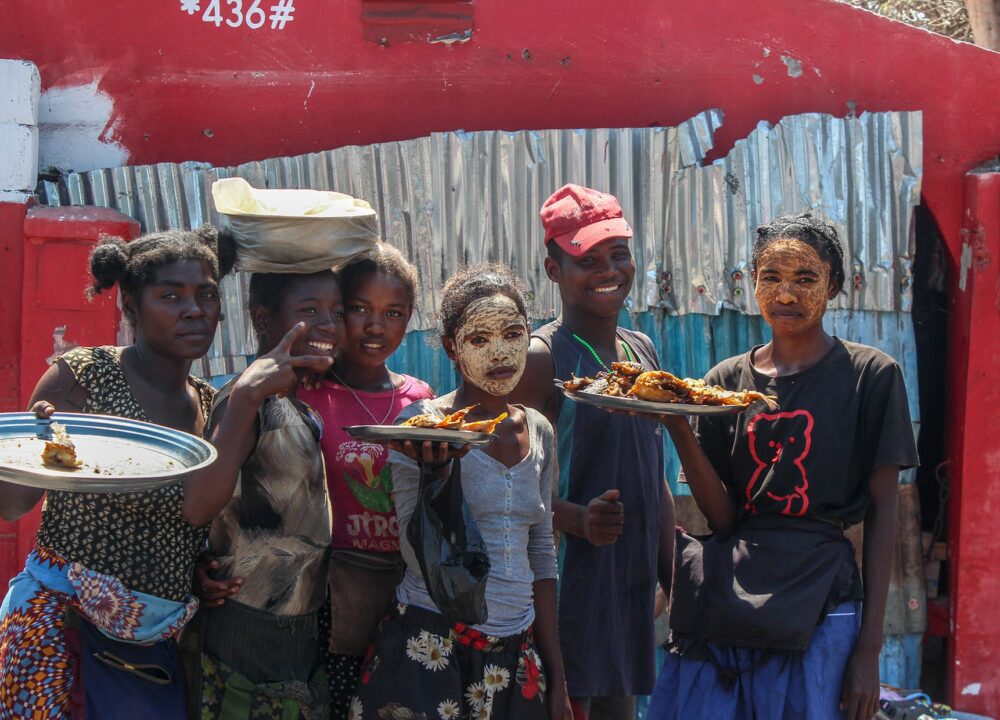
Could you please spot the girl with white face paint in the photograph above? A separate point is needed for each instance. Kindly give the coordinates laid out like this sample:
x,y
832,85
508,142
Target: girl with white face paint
x,y
510,666
490,344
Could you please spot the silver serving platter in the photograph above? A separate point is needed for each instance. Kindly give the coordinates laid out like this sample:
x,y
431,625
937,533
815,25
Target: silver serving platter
x,y
612,402
385,433
118,455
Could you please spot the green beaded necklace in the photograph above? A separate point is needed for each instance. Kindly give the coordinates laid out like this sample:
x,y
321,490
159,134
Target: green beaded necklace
x,y
628,353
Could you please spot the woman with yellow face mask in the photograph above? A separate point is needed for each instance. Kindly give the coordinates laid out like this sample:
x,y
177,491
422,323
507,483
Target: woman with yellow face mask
x,y
770,617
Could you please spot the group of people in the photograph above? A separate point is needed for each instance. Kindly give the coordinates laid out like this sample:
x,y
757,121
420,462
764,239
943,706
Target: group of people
x,y
280,582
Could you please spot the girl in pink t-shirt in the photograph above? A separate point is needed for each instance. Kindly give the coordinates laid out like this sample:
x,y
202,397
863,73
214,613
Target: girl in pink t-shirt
x,y
365,566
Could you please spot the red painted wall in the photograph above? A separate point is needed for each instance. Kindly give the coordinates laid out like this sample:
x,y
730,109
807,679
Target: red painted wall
x,y
974,505
184,89
11,257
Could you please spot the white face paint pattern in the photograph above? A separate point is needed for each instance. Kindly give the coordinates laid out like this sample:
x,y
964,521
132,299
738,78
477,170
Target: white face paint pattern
x,y
491,344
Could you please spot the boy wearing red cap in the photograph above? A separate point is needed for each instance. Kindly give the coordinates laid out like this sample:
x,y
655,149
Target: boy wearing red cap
x,y
614,511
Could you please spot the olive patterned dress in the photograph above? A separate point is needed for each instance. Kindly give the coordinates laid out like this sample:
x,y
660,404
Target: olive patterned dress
x,y
140,538
123,562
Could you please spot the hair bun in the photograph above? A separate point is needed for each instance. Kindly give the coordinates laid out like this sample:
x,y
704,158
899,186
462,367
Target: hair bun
x,y
108,263
225,249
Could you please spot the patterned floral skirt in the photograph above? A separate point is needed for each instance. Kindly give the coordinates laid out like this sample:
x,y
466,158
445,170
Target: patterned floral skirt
x,y
423,668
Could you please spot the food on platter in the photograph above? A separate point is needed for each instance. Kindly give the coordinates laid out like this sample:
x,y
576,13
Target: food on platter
x,y
484,426
449,422
630,380
83,452
455,421
661,386
59,450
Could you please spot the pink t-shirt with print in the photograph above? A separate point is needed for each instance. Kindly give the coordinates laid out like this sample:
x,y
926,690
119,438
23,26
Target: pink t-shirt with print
x,y
357,472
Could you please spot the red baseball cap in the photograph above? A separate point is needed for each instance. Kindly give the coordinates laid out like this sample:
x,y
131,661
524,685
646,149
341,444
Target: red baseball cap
x,y
577,218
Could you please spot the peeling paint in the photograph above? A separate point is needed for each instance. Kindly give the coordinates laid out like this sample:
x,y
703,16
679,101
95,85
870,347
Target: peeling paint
x,y
972,689
757,79
794,66
965,263
451,38
76,125
60,346
767,52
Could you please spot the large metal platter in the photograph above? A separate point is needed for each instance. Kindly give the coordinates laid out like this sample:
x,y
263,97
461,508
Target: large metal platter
x,y
385,433
612,402
118,455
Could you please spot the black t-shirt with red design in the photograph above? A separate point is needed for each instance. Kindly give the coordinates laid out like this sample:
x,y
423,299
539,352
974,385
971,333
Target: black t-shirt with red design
x,y
812,456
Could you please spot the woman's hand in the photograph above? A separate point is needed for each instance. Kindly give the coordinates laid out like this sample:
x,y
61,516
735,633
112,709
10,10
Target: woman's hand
x,y
860,689
433,455
558,703
278,372
43,409
213,593
603,518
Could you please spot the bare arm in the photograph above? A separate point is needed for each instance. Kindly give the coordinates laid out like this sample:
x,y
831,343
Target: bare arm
x,y
234,431
234,435
547,637
56,391
707,488
601,520
859,694
665,557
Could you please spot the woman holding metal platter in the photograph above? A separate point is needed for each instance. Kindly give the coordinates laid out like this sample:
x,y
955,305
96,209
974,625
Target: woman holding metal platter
x,y
89,625
116,565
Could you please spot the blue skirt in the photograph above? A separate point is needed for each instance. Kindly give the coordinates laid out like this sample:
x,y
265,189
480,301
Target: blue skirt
x,y
780,687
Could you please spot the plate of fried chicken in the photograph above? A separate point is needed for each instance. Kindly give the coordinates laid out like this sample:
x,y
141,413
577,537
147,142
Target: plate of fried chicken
x,y
630,387
450,428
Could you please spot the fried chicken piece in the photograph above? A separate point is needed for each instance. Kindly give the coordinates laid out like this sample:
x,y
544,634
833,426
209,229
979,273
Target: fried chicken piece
x,y
618,385
658,386
449,422
703,394
577,383
59,450
633,369
485,426
662,386
421,421
454,421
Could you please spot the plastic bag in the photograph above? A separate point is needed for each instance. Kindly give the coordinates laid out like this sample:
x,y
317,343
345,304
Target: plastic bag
x,y
294,231
449,548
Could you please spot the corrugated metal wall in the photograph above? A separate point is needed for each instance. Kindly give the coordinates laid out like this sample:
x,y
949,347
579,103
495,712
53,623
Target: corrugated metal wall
x,y
456,198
